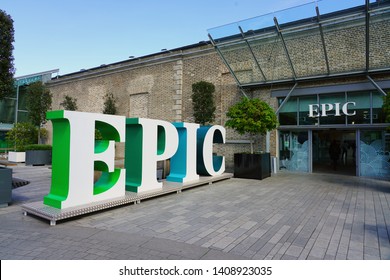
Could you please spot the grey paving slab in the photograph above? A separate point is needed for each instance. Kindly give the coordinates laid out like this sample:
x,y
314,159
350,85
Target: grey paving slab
x,y
287,216
218,255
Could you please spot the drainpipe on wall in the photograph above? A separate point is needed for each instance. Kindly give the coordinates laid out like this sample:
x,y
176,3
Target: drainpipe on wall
x,y
268,142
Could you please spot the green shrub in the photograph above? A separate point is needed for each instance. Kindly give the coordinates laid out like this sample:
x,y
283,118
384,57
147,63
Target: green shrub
x,y
251,116
36,147
39,101
43,135
203,102
22,134
386,110
69,103
98,135
109,104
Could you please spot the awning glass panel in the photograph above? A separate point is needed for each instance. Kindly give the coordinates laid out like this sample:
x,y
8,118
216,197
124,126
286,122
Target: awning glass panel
x,y
306,52
318,39
241,62
271,56
379,39
346,45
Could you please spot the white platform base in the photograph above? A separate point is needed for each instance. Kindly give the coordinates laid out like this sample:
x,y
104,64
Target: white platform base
x,y
53,214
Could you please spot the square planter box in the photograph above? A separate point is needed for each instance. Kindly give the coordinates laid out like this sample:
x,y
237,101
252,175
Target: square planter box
x,y
17,156
5,186
38,157
252,166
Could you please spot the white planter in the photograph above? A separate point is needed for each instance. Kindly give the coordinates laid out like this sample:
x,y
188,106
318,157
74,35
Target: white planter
x,y
17,156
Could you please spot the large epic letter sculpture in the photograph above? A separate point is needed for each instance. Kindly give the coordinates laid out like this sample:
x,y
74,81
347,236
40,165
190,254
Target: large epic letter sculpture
x,y
183,163
75,156
147,141
209,164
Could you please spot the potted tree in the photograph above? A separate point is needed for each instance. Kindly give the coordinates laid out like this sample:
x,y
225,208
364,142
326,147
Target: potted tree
x,y
39,101
203,109
253,117
38,154
18,137
203,102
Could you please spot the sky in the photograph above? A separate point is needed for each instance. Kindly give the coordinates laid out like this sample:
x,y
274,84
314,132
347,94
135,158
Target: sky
x,y
71,35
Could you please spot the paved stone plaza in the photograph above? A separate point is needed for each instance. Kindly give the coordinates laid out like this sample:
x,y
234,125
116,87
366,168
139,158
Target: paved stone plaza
x,y
288,216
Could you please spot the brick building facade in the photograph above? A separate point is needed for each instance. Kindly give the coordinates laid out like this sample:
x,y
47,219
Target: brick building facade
x,y
323,59
157,86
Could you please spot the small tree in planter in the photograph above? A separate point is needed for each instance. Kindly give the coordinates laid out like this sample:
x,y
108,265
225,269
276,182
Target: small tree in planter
x,y
203,102
253,117
386,109
19,136
203,111
39,101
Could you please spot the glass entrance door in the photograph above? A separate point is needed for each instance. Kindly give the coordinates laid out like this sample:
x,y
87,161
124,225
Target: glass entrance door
x,y
294,150
334,151
375,154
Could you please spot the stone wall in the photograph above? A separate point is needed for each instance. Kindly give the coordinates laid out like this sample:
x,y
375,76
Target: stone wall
x,y
159,86
155,87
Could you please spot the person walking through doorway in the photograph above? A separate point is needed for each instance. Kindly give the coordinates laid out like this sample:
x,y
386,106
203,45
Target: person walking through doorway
x,y
334,153
344,151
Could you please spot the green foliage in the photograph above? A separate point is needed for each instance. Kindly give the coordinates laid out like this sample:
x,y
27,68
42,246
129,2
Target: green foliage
x,y
203,102
22,134
98,135
7,69
386,109
69,103
251,116
43,133
39,101
109,104
37,147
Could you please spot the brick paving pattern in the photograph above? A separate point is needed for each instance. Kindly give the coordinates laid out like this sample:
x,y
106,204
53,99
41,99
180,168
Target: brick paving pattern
x,y
288,216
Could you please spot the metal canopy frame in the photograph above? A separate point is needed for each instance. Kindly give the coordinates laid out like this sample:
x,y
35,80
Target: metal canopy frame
x,y
285,47
323,40
286,99
257,41
228,66
252,53
367,35
376,86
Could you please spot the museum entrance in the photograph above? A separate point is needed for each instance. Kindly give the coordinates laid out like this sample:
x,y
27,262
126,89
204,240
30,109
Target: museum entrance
x,y
334,151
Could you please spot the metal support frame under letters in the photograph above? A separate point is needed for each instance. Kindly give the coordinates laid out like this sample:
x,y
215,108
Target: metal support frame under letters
x,y
53,214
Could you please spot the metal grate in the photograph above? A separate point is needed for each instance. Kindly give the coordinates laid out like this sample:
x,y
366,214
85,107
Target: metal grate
x,y
53,214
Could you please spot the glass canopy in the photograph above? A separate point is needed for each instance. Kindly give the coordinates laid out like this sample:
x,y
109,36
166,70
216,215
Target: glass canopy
x,y
309,41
